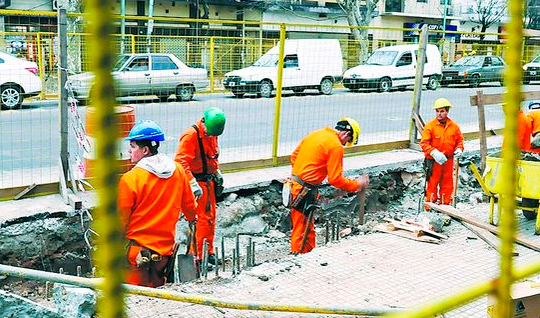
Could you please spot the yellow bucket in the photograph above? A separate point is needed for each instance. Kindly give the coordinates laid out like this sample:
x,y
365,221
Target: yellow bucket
x,y
528,177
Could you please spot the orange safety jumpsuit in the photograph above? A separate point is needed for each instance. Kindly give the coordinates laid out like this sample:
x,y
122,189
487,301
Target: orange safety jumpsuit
x,y
189,156
446,139
524,132
319,154
534,116
149,207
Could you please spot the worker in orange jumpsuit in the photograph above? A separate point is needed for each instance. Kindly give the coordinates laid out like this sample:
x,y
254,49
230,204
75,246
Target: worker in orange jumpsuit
x,y
150,198
534,116
198,153
441,142
319,155
524,132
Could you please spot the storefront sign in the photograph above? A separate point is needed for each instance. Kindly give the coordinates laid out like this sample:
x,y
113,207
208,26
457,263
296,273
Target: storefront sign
x,y
431,27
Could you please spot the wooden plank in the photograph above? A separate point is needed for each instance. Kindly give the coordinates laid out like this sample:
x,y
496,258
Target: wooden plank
x,y
40,189
406,234
419,122
417,229
482,129
486,236
455,213
24,192
492,99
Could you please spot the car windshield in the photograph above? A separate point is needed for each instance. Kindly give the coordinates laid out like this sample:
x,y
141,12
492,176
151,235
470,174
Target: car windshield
x,y
470,61
267,60
382,58
536,59
120,61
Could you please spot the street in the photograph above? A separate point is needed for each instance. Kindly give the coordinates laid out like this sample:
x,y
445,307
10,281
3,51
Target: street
x,y
30,137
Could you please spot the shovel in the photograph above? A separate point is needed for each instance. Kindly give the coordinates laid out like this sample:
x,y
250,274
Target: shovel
x,y
187,265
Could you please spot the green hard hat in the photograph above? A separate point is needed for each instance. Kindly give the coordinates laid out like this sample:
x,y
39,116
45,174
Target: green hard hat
x,y
214,120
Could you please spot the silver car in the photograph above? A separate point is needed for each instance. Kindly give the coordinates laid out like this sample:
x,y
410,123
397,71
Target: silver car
x,y
147,74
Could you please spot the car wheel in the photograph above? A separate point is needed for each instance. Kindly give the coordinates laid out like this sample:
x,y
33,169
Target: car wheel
x,y
326,86
432,83
265,88
529,203
385,84
184,93
163,98
475,81
10,97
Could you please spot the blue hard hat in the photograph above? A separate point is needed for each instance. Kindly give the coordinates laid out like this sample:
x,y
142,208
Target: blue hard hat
x,y
535,104
146,130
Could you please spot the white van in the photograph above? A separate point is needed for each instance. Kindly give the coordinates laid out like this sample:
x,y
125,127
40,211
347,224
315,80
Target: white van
x,y
308,63
395,66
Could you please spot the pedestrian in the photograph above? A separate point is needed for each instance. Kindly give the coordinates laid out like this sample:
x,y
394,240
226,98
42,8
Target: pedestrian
x,y
534,116
441,142
150,198
318,156
198,153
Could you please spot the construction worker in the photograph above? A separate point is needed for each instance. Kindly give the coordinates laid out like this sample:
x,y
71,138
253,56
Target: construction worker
x,y
441,142
534,116
150,198
524,131
198,153
319,155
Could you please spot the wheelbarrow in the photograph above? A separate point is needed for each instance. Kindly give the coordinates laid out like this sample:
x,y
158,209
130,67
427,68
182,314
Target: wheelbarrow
x,y
527,192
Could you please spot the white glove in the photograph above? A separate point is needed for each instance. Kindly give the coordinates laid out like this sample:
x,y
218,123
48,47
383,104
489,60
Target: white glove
x,y
457,153
439,157
195,188
535,143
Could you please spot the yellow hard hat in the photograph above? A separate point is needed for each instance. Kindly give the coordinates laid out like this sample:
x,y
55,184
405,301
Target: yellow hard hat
x,y
442,102
347,123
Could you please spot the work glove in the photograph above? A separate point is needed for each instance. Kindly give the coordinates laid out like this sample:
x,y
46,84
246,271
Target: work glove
x,y
535,143
457,153
363,181
219,177
195,188
439,157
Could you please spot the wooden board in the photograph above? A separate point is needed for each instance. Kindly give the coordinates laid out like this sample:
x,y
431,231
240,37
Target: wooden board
x,y
406,234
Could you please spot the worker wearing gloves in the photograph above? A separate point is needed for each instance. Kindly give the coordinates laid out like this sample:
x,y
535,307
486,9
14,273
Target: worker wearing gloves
x,y
441,142
198,153
534,116
150,198
319,155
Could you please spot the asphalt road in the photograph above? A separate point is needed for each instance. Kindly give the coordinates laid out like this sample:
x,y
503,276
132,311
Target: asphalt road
x,y
30,139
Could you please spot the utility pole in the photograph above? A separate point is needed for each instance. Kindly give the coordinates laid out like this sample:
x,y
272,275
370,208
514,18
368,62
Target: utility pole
x,y
443,42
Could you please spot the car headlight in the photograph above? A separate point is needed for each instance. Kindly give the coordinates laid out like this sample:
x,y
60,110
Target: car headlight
x,y
524,67
462,73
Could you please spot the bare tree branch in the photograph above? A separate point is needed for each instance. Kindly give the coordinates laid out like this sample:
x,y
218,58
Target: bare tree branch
x,y
488,12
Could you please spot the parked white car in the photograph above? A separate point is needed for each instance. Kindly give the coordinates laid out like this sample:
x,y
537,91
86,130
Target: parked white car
x,y
18,79
308,64
395,66
147,74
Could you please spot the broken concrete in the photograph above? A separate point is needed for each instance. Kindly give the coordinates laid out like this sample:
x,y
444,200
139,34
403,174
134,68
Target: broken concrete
x,y
74,302
14,306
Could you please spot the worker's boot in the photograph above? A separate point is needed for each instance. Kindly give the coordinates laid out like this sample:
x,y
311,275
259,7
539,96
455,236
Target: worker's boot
x,y
213,260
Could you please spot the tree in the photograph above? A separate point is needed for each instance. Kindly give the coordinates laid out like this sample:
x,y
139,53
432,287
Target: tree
x,y
532,14
359,13
487,12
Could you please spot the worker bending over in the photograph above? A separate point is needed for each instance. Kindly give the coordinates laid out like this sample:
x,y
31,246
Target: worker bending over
x,y
319,155
441,142
150,198
198,153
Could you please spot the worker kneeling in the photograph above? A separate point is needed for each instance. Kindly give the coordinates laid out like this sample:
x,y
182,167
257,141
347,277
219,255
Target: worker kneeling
x,y
150,199
441,142
319,155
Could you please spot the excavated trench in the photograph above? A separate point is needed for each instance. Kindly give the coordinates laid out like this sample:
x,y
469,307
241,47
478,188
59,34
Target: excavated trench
x,y
52,241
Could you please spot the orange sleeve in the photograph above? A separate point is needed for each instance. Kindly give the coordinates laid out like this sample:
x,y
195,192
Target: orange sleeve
x,y
188,199
126,200
459,138
334,166
185,154
425,142
535,121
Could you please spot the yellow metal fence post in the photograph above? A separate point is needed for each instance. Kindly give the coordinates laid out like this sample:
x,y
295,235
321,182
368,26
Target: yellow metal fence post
x,y
211,64
277,114
109,256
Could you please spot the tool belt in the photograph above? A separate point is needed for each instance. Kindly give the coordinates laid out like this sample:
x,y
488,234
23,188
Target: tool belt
x,y
202,177
147,257
428,167
308,195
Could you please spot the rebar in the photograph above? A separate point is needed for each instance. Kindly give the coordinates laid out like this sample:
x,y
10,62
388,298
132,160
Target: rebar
x,y
223,254
216,257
